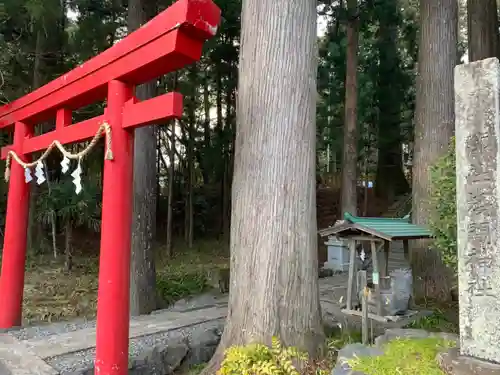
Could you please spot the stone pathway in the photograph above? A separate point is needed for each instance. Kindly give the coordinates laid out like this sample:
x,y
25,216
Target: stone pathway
x,y
190,330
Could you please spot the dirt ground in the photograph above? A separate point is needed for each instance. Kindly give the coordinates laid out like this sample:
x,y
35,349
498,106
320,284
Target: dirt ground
x,y
52,294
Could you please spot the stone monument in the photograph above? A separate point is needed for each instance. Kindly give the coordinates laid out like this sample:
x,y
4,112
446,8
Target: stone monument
x,y
477,125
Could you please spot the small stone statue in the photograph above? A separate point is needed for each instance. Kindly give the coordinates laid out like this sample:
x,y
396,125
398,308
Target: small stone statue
x,y
218,278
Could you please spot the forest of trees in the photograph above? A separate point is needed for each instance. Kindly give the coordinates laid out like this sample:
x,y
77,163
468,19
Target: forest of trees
x,y
368,100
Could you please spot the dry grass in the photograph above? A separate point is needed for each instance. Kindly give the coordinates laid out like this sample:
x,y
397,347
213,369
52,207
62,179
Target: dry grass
x,y
51,294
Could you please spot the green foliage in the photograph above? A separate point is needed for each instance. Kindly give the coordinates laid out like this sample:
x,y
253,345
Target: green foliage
x,y
443,222
173,286
81,209
341,338
259,359
196,369
437,322
405,356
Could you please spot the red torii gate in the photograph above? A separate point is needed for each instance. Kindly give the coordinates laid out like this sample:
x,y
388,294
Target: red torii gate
x,y
170,41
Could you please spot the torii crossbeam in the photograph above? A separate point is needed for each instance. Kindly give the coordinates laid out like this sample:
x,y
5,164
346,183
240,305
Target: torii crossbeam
x,y
170,41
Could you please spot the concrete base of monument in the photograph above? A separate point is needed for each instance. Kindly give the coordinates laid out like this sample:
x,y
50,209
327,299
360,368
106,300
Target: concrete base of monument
x,y
452,363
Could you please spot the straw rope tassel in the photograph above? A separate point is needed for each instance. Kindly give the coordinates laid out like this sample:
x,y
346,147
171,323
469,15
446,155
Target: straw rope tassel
x,y
104,129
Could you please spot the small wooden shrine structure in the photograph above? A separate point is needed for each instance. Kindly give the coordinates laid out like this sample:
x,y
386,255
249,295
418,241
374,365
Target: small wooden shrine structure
x,y
380,232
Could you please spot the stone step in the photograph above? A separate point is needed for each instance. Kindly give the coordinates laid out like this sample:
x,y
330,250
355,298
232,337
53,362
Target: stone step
x,y
85,338
17,359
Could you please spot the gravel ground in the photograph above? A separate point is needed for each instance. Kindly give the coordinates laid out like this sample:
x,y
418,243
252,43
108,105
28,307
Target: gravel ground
x,y
147,352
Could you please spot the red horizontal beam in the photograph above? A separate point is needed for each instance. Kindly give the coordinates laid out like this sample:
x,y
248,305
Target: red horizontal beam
x,y
80,131
156,110
168,42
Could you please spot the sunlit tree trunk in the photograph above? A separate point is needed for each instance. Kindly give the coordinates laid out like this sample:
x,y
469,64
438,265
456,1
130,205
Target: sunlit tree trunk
x,y
274,258
434,127
143,272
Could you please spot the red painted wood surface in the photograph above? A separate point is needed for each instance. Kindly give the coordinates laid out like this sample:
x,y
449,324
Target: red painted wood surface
x,y
156,110
114,264
14,245
168,42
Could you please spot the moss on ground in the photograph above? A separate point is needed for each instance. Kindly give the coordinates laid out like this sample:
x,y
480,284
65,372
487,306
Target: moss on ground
x,y
405,356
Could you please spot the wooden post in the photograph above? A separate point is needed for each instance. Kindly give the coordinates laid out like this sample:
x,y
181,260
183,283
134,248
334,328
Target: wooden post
x,y
350,282
113,302
364,306
406,250
364,317
376,277
387,251
14,244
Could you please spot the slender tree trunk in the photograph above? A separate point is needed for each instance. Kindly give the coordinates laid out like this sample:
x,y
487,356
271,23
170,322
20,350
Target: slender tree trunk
x,y
220,135
482,29
158,169
33,226
171,84
391,180
226,178
350,155
206,127
68,239
53,218
434,126
171,175
193,73
143,272
274,259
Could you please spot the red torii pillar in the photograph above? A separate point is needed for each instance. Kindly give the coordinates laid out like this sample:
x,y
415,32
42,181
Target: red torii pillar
x,y
170,41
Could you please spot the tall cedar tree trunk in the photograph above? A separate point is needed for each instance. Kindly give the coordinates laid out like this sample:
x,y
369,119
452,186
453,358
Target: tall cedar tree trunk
x,y
350,154
274,259
142,270
482,29
434,126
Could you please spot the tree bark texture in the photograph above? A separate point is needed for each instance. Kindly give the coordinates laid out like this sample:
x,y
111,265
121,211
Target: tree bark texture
x,y
143,272
171,173
34,229
434,127
274,259
193,103
350,153
482,29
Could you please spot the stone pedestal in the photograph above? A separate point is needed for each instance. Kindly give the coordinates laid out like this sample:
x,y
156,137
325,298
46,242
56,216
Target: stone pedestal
x,y
452,363
477,99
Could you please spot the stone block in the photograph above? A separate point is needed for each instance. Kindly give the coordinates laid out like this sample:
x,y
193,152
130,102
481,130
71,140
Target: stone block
x,y
477,123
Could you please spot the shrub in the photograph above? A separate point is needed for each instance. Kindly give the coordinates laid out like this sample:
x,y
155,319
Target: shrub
x,y
404,356
443,220
259,359
173,286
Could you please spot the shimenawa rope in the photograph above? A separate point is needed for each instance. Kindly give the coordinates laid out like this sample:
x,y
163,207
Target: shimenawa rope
x,y
103,129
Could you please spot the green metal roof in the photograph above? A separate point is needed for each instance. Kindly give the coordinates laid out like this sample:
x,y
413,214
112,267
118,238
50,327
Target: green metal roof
x,y
387,228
